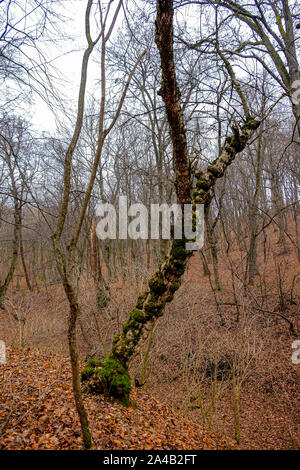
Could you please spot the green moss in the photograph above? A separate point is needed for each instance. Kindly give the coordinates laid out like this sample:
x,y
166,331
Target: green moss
x,y
175,286
217,172
251,124
154,308
157,284
230,149
89,370
126,326
195,195
116,339
199,196
141,299
94,362
202,183
110,378
229,140
87,373
178,268
178,250
175,268
136,316
116,378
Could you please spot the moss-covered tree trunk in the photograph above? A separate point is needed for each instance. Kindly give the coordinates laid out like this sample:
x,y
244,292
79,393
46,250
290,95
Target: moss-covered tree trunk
x,y
111,377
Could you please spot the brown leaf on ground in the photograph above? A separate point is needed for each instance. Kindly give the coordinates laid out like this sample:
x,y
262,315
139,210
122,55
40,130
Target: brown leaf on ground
x,y
38,412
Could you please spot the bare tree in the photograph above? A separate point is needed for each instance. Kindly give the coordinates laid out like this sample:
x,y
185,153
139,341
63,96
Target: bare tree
x,y
16,149
24,67
273,47
66,251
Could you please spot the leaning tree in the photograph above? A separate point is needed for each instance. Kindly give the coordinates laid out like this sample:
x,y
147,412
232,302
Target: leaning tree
x,y
111,376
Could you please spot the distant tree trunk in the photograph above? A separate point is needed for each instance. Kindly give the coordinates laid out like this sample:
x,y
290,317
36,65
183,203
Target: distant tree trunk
x,y
106,248
96,270
212,243
252,253
296,216
28,283
206,271
277,203
16,243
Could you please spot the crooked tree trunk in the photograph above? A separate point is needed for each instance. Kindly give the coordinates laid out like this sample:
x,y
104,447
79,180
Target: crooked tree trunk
x,y
62,259
112,376
72,320
162,285
66,255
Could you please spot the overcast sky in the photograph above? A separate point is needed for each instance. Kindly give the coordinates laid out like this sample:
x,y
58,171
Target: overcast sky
x,y
66,58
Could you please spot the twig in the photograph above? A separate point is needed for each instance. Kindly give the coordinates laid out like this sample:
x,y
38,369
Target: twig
x,y
37,402
6,421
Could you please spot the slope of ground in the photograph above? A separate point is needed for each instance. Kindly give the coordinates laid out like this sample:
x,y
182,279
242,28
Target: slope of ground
x,y
37,411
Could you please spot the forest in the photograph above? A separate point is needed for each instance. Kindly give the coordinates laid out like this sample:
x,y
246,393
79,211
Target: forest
x,y
149,225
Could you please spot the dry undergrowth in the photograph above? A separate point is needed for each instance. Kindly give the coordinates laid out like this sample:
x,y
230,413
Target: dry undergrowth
x,y
38,412
187,337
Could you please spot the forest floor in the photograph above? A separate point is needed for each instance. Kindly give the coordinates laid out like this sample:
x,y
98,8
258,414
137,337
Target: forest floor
x,y
270,396
37,411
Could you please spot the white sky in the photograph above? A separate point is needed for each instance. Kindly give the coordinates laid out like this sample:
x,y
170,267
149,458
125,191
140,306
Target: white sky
x,y
67,56
67,61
